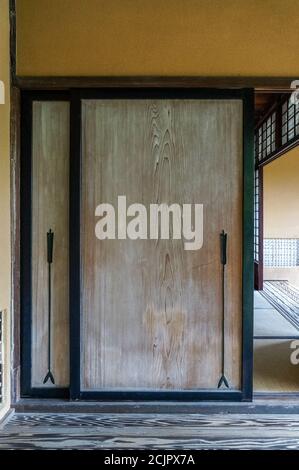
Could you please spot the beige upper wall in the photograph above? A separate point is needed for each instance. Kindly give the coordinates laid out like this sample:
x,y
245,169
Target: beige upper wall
x,y
281,197
5,196
158,37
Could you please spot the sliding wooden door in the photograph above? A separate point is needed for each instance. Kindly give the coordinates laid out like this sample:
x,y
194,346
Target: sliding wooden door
x,y
151,312
137,317
45,208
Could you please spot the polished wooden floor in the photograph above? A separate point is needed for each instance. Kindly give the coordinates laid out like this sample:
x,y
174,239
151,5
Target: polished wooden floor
x,y
86,425
150,431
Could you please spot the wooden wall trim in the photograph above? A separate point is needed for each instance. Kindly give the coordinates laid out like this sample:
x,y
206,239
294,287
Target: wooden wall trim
x,y
261,84
15,241
14,209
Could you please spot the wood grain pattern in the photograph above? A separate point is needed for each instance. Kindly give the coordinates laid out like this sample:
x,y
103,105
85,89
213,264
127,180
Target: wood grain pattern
x,y
50,208
15,138
260,84
284,297
151,311
139,431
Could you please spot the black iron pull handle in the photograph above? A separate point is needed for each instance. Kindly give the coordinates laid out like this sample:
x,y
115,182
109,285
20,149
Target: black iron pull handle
x,y
223,244
50,243
223,258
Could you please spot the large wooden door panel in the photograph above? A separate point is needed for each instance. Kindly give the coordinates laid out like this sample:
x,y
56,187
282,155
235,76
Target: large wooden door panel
x,y
151,311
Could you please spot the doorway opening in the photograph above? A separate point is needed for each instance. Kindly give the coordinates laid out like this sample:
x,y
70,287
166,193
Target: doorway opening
x,y
276,245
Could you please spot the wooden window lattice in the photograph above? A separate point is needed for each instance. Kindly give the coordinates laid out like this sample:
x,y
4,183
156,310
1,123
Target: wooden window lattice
x,y
256,216
290,122
265,138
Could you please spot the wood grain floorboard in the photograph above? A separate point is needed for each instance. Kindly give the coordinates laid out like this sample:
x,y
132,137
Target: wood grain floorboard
x,y
171,298
285,299
138,431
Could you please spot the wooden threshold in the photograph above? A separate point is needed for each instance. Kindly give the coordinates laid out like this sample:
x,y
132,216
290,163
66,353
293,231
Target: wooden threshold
x,y
5,419
265,405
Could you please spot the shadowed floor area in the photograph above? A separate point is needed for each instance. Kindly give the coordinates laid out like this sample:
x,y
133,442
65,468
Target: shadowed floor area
x,y
273,370
151,431
274,334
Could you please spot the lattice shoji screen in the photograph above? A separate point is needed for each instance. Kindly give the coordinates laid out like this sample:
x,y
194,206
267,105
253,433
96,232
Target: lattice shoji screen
x,y
256,216
290,122
265,138
281,252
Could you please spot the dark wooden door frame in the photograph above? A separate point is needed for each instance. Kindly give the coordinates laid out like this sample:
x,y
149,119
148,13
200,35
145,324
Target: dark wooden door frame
x,y
280,150
27,100
76,95
247,95
259,266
